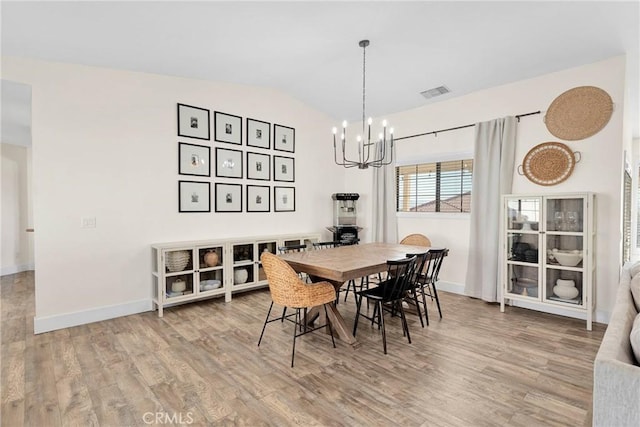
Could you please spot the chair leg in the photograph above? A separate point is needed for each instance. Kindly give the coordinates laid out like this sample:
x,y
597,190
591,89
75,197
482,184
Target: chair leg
x,y
326,316
355,322
351,283
405,325
295,335
284,312
415,300
265,323
435,293
424,304
384,335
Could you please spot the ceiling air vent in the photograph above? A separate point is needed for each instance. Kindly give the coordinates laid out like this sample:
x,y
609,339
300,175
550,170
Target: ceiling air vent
x,y
436,91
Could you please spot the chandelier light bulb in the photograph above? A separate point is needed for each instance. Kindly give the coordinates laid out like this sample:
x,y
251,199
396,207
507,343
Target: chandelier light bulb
x,y
369,121
384,123
335,130
391,131
342,136
359,138
344,124
380,136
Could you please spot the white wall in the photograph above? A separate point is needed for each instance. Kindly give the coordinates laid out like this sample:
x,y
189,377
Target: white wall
x,y
105,145
16,253
599,171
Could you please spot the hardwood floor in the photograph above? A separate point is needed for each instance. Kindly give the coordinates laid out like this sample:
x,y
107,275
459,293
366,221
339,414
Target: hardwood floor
x,y
199,365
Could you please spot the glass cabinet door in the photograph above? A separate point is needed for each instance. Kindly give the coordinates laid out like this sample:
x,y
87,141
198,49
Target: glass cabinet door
x,y
564,243
523,246
179,267
211,270
272,247
243,262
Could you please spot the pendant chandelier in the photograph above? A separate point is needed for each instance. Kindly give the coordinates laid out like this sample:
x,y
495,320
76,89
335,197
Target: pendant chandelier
x,y
374,154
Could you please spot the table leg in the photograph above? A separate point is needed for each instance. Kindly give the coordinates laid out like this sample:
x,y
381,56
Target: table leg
x,y
338,324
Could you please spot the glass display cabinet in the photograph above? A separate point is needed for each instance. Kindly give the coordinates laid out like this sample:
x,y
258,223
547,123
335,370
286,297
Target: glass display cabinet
x,y
547,257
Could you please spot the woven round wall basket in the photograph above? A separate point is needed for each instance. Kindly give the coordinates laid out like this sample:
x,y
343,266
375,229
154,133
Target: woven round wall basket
x,y
549,163
579,113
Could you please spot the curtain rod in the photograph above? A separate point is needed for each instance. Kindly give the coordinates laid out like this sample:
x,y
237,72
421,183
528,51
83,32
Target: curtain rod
x,y
436,132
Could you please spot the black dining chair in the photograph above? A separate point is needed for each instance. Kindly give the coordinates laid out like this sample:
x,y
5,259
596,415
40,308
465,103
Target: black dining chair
x,y
427,277
416,286
391,292
326,245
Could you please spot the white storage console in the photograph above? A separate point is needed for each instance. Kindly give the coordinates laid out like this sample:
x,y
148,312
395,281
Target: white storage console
x,y
189,271
547,252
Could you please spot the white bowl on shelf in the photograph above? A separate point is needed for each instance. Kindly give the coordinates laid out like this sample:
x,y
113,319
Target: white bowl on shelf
x,y
568,258
207,285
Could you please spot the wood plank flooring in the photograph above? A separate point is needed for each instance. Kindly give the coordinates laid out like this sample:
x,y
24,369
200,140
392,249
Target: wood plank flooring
x,y
199,365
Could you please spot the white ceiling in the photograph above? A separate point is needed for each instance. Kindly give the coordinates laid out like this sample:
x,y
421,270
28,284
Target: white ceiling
x,y
310,49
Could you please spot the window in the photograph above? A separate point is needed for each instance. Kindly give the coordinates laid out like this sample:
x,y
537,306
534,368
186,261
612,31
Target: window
x,y
434,187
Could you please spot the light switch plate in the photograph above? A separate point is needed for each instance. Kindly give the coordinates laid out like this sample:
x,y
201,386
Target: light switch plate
x,y
88,222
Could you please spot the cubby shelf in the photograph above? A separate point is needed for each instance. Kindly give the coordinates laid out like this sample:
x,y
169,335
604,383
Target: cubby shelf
x,y
189,271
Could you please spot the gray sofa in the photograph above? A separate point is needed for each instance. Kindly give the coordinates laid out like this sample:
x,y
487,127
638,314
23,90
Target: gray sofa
x,y
616,375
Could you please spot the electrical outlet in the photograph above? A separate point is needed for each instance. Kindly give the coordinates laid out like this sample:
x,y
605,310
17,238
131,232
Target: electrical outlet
x,y
88,222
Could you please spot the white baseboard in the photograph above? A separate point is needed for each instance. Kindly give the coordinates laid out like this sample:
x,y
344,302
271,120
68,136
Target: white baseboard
x,y
67,320
13,269
454,288
598,316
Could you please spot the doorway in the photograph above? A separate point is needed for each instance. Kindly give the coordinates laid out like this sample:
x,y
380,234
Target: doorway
x,y
17,250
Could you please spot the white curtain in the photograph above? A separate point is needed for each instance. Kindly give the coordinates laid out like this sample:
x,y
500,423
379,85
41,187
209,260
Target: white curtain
x,y
493,165
384,221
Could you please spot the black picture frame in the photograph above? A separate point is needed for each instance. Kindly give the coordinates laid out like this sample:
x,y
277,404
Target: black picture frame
x,y
258,134
258,198
194,160
284,169
227,128
284,138
258,166
228,197
194,196
229,163
193,122
284,199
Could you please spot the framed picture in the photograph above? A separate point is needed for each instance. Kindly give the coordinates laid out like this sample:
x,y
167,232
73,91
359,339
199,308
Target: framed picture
x,y
228,197
258,134
258,166
194,159
193,122
258,198
228,163
194,196
284,138
283,169
228,128
284,199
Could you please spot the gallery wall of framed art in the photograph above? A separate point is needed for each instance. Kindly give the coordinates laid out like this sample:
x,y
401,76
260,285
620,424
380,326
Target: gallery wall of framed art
x,y
263,153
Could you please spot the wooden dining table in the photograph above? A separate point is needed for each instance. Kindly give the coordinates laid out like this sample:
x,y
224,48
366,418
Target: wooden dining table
x,y
344,263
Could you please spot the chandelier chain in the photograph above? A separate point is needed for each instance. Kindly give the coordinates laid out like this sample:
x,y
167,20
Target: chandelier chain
x,y
364,73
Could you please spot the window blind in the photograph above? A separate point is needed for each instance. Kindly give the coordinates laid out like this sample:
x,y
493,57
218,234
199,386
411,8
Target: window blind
x,y
434,187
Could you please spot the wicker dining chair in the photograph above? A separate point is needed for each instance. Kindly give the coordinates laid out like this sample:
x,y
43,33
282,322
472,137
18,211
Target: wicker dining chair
x,y
288,290
416,240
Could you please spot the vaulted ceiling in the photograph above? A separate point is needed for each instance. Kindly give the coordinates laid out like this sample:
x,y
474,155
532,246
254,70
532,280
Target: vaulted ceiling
x,y
310,49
